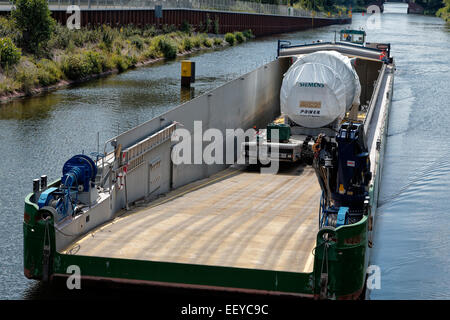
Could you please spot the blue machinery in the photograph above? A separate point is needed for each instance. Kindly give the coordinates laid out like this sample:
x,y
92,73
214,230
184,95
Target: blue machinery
x,y
343,170
78,177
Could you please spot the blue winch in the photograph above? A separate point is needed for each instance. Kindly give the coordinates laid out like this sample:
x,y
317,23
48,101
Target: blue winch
x,y
78,177
353,172
343,169
79,171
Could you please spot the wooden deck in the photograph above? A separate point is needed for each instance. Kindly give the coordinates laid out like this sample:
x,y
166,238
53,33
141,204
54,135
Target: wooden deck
x,y
237,218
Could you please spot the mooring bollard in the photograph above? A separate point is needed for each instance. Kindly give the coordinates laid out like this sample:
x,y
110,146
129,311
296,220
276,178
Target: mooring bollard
x,y
187,73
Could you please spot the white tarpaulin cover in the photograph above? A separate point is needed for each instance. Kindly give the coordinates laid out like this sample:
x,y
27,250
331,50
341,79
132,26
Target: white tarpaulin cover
x,y
319,88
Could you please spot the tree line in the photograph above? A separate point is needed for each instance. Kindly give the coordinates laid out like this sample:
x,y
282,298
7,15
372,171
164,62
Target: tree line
x,y
321,5
432,7
444,12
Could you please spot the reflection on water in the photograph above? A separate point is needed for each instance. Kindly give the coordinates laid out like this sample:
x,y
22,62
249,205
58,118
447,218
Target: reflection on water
x,y
26,108
39,134
186,94
396,8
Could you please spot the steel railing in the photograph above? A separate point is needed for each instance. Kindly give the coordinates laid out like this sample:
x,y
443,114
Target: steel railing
x,y
217,5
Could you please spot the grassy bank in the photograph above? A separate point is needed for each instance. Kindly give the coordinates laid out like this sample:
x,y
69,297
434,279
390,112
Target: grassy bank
x,y
79,55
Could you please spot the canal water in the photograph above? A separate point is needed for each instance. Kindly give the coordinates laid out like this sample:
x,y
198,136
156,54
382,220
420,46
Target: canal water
x,y
411,245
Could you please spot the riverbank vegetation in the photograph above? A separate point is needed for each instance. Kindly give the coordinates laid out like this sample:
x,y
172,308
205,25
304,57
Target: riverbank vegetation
x,y
431,7
35,55
441,8
444,12
333,6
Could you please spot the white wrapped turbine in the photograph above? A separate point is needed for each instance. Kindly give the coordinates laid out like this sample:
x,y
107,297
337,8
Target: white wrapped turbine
x,y
319,88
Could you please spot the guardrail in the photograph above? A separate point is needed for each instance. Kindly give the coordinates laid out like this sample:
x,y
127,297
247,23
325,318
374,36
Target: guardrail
x,y
219,5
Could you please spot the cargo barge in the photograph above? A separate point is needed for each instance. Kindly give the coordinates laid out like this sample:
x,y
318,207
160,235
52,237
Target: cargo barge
x,y
136,215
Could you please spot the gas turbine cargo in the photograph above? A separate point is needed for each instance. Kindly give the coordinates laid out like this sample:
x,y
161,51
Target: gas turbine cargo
x,y
319,88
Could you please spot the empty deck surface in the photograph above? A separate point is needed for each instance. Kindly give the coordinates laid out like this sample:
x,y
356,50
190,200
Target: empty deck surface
x,y
237,218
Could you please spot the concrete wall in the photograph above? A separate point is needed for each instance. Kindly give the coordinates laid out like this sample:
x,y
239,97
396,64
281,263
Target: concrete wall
x,y
251,100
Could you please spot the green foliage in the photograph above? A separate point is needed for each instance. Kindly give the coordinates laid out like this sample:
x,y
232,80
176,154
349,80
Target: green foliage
x,y
332,5
61,37
187,43
120,62
97,61
130,31
166,46
132,60
48,72
216,26
79,37
186,27
76,66
444,12
152,52
108,36
208,23
197,41
169,28
230,38
9,53
84,36
33,19
137,41
149,31
83,64
239,37
27,75
8,85
208,43
248,34
201,27
8,29
431,6
78,54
